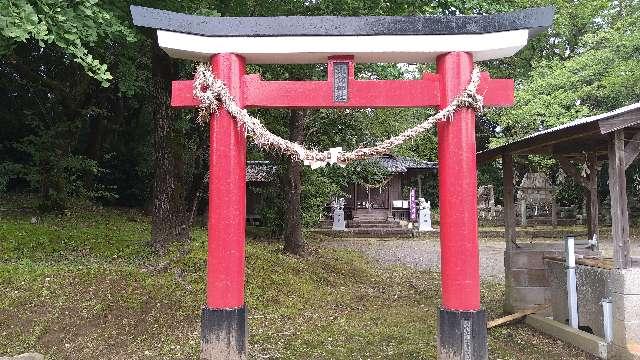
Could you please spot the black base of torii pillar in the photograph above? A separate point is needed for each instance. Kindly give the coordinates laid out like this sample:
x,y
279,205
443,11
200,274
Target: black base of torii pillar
x,y
463,335
223,334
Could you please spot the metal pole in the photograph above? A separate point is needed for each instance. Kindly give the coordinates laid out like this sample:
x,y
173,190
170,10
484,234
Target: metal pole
x,y
607,316
572,291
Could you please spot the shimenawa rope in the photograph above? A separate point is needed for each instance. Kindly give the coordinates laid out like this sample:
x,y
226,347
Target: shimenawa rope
x,y
211,92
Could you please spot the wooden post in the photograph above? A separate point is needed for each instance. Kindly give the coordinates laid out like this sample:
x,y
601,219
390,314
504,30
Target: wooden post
x,y
509,205
593,194
355,201
390,203
618,192
554,209
586,201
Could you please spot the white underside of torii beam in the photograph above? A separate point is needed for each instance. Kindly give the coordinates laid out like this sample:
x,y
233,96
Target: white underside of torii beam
x,y
365,49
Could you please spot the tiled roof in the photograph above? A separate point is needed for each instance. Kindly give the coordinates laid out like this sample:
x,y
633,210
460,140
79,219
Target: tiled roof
x,y
566,132
401,164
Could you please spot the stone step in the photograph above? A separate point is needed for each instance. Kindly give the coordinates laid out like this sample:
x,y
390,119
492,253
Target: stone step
x,y
364,226
375,215
380,230
384,225
367,233
370,221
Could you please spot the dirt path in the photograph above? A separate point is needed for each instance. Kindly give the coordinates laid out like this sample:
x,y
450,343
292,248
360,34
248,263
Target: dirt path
x,y
425,254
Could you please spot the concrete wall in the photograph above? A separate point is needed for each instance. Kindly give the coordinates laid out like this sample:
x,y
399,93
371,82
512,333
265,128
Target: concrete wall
x,y
593,286
526,280
526,283
625,292
623,286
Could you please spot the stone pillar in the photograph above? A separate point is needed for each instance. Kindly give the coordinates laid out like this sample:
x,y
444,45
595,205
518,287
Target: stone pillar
x,y
526,283
424,220
625,294
338,219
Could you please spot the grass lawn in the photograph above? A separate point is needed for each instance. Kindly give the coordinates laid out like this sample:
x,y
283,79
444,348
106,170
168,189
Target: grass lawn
x,y
82,286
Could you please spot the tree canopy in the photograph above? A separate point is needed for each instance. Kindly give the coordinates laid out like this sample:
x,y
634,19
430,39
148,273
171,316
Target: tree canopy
x,y
601,74
76,79
75,27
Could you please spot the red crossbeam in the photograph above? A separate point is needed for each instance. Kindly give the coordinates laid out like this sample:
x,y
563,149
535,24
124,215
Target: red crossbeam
x,y
362,93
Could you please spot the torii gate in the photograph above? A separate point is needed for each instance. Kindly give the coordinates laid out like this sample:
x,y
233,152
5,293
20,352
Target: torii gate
x,y
454,42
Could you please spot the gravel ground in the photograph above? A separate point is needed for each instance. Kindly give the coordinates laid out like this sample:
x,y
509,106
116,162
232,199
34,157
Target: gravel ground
x,y
425,254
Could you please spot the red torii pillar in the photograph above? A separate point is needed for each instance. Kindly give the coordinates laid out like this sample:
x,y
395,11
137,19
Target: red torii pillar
x,y
462,321
224,318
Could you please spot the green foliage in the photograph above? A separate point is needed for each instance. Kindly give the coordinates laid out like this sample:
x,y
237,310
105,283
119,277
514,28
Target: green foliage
x,y
316,191
603,75
8,172
89,141
363,172
92,233
74,26
65,135
272,213
588,64
58,174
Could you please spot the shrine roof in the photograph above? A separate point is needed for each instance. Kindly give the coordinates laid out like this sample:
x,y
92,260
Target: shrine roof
x,y
369,38
588,134
400,164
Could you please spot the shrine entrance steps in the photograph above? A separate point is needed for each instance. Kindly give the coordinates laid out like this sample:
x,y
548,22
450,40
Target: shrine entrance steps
x,y
367,227
371,215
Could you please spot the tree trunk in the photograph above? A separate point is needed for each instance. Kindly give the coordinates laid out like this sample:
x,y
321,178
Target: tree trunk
x,y
293,241
168,220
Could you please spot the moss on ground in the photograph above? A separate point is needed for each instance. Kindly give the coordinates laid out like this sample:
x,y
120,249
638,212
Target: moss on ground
x,y
83,286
